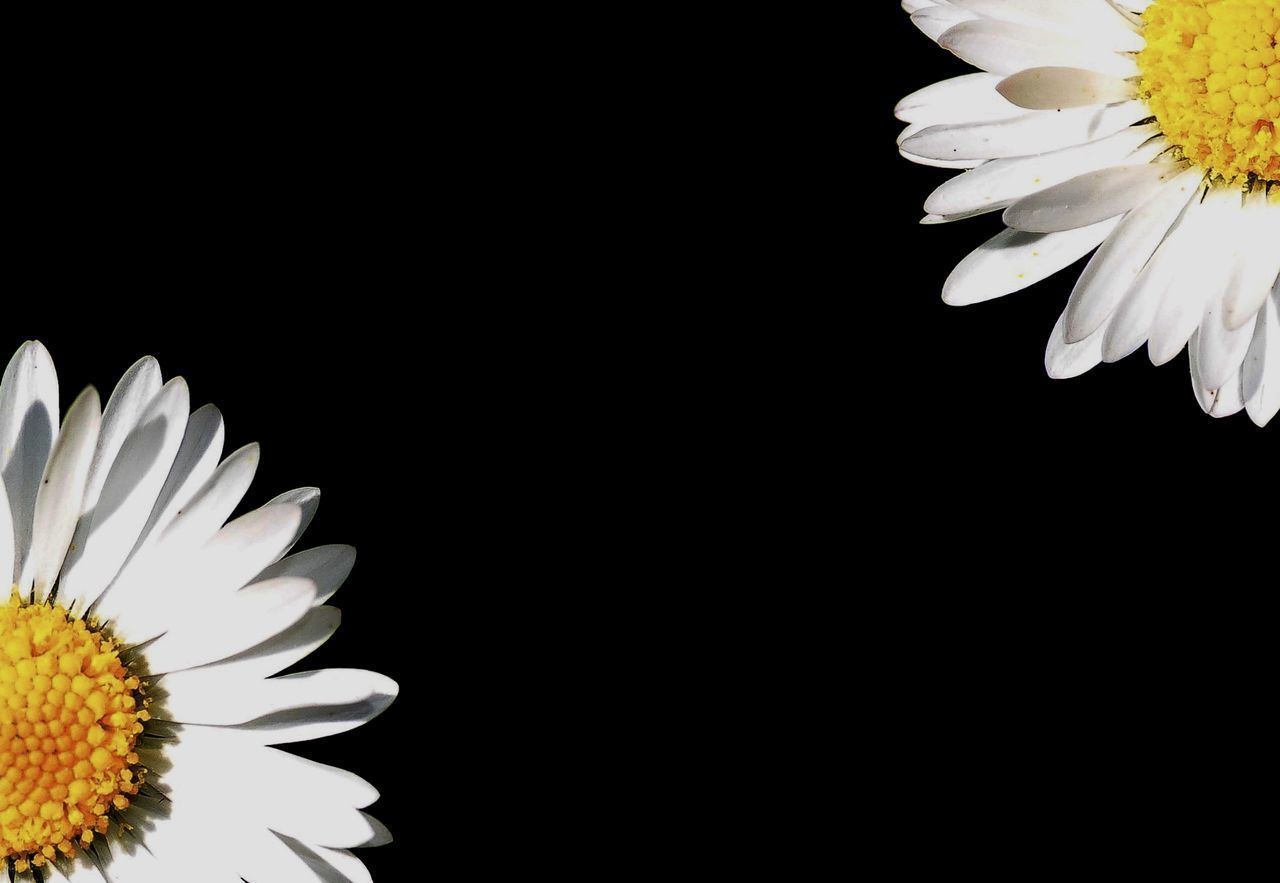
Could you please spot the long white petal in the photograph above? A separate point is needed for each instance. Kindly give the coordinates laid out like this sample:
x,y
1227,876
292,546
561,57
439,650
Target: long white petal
x,y
145,581
1013,260
1225,399
962,99
6,538
196,461
290,708
62,493
224,564
135,391
1089,198
305,498
937,20
127,497
997,184
28,426
1114,269
1086,20
1063,359
262,661
218,630
326,566
1259,262
1189,294
1035,131
1261,370
1055,88
1006,48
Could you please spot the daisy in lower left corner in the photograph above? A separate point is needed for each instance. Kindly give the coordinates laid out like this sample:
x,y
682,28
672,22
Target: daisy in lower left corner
x,y
1146,129
140,646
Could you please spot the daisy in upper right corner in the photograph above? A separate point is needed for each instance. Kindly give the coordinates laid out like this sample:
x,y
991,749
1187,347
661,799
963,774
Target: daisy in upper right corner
x,y
1148,130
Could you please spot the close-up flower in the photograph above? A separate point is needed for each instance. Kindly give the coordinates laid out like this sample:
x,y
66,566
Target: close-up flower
x,y
144,716
1143,132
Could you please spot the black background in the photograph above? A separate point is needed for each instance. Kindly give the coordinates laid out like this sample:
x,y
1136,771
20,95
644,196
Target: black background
x,y
1001,450
315,394
280,269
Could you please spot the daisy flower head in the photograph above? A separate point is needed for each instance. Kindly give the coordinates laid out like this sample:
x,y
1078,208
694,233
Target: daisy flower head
x,y
141,641
1148,130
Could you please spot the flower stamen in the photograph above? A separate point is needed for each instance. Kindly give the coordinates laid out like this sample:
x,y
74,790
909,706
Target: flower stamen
x,y
69,722
1211,75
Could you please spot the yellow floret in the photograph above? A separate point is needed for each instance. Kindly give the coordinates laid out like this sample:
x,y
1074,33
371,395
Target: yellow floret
x,y
1211,77
68,728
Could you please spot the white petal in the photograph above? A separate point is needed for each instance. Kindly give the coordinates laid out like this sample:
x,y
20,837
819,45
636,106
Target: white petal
x,y
381,835
1220,350
305,498
28,425
6,537
1221,401
312,801
266,659
1258,261
290,708
194,464
1006,48
331,865
145,582
326,566
940,163
1063,360
1229,398
962,99
62,493
1089,198
131,862
999,183
937,20
1114,269
135,391
171,843
1035,131
1054,88
1086,20
200,516
270,858
128,495
1176,260
217,630
1261,370
1014,260
1190,293
79,870
244,547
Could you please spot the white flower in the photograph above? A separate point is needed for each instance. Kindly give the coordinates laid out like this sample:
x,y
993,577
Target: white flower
x,y
1148,129
138,711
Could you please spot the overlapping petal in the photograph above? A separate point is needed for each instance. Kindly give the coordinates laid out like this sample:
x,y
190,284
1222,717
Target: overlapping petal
x,y
1054,133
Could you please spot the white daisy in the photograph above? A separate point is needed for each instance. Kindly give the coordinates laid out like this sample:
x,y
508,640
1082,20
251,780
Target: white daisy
x,y
138,711
1150,128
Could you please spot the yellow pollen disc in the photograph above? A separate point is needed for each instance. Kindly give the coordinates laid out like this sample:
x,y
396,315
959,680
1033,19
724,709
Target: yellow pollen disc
x,y
68,723
1211,75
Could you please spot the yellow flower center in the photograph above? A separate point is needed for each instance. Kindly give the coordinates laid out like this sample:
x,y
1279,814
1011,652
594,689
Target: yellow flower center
x,y
69,719
1211,75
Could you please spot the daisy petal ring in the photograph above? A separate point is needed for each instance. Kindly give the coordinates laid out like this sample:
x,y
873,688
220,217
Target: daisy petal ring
x,y
141,642
1148,130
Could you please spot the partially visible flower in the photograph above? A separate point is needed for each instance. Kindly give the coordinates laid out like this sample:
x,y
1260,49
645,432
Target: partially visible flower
x,y
138,707
1147,129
